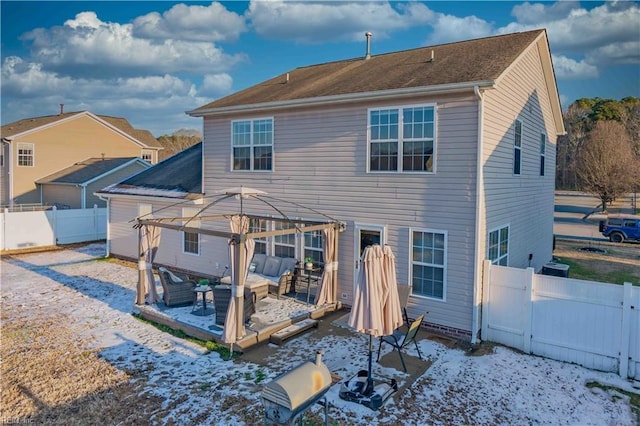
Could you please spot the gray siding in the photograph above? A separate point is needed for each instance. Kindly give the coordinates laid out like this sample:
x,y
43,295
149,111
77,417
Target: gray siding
x,y
320,160
523,202
67,196
123,238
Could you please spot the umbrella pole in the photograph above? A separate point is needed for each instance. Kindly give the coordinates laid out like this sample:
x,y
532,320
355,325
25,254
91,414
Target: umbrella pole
x,y
369,388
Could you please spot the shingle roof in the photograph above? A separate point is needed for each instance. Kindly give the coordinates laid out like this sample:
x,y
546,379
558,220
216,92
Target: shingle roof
x,y
84,171
121,124
460,62
177,176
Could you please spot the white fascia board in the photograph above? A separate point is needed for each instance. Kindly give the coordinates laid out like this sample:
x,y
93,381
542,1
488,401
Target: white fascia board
x,y
351,97
146,199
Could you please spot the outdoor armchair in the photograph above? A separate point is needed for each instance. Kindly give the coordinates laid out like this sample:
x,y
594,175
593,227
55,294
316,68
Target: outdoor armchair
x,y
177,289
400,340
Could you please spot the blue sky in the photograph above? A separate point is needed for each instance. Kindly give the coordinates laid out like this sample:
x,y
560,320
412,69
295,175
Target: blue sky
x,y
151,61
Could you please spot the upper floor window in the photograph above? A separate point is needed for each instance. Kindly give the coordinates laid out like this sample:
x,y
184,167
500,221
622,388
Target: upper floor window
x,y
25,154
252,144
428,263
147,156
517,147
402,139
543,145
498,247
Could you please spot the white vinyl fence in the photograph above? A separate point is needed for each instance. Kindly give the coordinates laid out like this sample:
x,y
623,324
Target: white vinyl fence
x,y
21,230
596,325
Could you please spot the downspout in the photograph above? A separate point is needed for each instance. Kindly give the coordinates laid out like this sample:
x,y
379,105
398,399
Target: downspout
x,y
477,271
83,196
10,171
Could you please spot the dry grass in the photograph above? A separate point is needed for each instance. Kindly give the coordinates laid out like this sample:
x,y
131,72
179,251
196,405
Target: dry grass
x,y
49,376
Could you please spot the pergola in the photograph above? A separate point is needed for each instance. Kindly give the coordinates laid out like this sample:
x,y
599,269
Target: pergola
x,y
241,244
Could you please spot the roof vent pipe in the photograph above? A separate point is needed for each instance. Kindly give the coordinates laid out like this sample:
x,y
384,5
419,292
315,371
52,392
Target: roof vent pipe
x,y
432,57
368,35
61,109
287,80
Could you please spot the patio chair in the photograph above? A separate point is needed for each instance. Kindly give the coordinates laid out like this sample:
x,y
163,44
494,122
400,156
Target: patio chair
x,y
222,297
177,289
400,340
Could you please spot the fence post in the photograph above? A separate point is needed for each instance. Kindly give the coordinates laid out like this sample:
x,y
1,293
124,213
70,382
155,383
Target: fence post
x,y
4,228
95,222
54,221
486,289
529,289
625,332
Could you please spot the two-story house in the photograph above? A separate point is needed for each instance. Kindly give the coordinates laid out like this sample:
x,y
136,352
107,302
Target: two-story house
x,y
446,153
34,148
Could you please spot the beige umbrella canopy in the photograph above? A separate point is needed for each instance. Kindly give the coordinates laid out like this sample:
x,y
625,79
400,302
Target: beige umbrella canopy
x,y
376,308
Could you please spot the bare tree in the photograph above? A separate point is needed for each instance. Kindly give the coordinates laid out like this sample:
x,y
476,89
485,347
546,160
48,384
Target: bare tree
x,y
607,166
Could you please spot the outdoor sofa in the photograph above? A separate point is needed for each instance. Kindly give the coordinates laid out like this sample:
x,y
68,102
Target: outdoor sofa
x,y
269,274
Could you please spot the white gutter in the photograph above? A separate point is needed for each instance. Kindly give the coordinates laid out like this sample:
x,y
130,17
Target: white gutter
x,y
350,97
477,272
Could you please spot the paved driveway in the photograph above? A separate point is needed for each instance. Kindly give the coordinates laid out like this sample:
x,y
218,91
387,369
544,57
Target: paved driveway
x,y
577,215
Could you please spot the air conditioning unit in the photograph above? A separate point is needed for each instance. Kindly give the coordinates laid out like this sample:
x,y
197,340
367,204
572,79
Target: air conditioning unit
x,y
555,269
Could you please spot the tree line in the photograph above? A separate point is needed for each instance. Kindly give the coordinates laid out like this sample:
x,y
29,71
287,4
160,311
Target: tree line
x,y
600,153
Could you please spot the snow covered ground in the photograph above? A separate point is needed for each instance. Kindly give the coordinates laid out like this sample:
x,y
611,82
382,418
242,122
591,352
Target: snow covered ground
x,y
504,387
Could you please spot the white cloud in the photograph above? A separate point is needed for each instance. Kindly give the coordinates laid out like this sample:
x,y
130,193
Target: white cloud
x,y
567,68
90,46
533,13
198,23
579,30
312,22
215,85
164,99
448,28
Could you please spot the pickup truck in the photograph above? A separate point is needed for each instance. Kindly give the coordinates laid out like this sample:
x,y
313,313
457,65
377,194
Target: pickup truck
x,y
620,227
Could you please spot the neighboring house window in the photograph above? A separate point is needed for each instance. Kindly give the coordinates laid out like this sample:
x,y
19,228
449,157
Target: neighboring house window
x,y
517,148
147,156
191,240
428,263
402,139
259,225
284,245
313,246
252,144
498,247
25,154
543,146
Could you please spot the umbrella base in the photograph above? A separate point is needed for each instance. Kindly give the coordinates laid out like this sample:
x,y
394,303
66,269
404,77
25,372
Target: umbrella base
x,y
370,393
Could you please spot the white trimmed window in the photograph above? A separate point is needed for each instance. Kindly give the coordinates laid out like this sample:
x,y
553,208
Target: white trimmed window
x,y
252,144
259,225
498,246
191,240
543,147
144,211
517,147
402,139
25,154
284,245
312,246
147,156
428,263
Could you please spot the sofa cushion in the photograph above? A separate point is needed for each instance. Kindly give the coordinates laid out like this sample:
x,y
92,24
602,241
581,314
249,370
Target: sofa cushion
x,y
259,260
272,266
287,264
